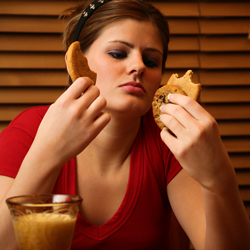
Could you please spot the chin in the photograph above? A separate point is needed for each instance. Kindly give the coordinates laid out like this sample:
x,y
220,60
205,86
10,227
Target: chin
x,y
128,104
129,110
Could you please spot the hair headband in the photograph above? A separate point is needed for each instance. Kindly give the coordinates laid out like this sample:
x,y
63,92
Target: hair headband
x,y
86,14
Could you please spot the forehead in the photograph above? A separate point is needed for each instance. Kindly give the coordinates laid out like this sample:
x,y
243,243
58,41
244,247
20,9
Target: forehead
x,y
138,32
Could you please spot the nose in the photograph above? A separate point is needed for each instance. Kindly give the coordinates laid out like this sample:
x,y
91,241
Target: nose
x,y
136,65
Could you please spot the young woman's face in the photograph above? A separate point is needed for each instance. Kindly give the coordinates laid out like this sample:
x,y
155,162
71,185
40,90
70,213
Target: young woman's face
x,y
127,58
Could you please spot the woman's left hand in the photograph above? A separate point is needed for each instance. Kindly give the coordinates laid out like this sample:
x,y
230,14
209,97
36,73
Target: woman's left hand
x,y
197,144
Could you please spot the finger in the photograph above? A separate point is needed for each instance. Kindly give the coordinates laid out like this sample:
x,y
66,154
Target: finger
x,y
169,139
97,125
96,107
172,124
101,121
177,112
189,104
86,98
78,87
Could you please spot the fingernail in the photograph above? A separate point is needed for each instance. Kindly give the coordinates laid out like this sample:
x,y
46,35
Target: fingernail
x,y
169,96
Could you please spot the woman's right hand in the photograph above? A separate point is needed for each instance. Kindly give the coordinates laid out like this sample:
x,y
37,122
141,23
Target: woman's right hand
x,y
73,121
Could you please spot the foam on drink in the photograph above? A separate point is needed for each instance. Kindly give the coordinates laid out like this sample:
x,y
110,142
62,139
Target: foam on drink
x,y
40,231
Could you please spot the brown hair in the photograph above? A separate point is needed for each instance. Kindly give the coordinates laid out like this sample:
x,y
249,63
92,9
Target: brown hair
x,y
111,12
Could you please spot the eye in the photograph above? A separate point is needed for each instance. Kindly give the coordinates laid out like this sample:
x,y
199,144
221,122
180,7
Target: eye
x,y
118,54
149,62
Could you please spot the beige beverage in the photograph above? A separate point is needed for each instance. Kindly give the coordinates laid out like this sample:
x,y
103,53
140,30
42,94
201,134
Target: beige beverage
x,y
44,231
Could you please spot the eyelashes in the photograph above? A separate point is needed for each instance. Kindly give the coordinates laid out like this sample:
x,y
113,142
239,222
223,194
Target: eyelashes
x,y
148,61
118,54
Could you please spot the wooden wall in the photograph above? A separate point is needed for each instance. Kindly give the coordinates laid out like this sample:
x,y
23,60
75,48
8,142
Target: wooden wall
x,y
210,37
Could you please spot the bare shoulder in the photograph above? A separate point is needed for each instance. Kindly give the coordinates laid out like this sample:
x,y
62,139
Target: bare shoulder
x,y
185,197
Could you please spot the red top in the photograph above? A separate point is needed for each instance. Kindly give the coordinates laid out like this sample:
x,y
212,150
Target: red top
x,y
142,220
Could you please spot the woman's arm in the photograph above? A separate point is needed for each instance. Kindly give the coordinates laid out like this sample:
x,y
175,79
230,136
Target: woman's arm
x,y
208,229
66,129
204,195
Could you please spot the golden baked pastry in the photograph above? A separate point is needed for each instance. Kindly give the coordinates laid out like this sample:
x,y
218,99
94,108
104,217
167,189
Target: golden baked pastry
x,y
78,63
185,83
182,85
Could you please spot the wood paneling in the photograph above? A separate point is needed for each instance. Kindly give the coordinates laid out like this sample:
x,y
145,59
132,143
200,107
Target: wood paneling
x,y
243,178
228,111
33,77
225,94
3,125
37,60
31,8
237,144
176,25
180,9
224,26
224,43
25,95
225,77
225,9
240,160
245,195
31,24
31,42
9,112
185,60
234,128
233,60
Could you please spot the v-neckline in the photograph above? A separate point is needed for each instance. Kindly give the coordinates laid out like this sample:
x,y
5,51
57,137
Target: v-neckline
x,y
128,203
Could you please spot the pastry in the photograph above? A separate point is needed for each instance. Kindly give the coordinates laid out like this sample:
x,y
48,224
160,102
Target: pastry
x,y
78,63
182,85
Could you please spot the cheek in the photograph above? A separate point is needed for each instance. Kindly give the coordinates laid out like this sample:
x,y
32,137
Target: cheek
x,y
108,74
105,79
98,62
104,75
102,70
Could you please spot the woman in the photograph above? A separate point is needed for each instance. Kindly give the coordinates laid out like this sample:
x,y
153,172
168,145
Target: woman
x,y
101,142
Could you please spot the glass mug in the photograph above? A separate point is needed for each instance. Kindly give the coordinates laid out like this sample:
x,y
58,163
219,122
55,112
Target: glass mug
x,y
44,222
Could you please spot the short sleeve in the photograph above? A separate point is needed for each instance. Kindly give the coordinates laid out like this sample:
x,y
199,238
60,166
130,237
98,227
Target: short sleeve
x,y
17,138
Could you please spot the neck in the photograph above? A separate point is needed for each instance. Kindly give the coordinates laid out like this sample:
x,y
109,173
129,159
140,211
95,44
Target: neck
x,y
110,150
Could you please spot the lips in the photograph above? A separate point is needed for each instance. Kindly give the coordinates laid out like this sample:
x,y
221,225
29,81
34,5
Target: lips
x,y
135,87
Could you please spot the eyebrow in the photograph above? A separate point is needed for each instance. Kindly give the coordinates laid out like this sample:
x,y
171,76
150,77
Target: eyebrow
x,y
132,46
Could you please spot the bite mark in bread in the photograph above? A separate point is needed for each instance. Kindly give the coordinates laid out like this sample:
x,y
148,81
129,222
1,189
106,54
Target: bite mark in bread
x,y
182,85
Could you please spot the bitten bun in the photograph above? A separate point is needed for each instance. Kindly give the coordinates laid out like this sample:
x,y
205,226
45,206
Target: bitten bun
x,y
185,83
182,85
